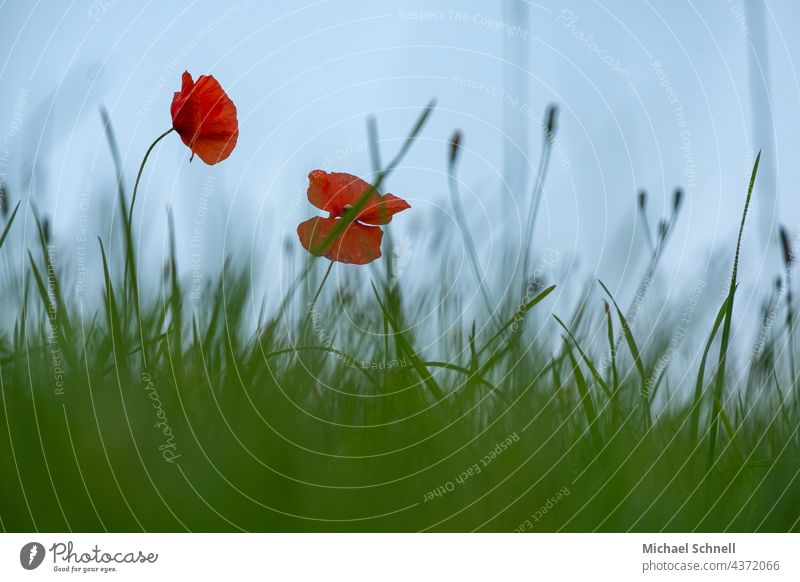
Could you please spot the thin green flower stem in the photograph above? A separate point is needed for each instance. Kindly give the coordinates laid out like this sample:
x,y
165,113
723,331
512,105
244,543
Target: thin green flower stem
x,y
141,169
130,259
313,303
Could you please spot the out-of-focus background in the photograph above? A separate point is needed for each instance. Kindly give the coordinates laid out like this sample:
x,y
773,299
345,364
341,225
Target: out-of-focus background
x,y
651,95
268,396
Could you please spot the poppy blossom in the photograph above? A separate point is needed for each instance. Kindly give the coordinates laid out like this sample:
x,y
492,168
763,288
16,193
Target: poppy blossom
x,y
205,118
336,193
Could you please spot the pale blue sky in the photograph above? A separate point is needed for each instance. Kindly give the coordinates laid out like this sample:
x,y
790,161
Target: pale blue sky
x,y
305,75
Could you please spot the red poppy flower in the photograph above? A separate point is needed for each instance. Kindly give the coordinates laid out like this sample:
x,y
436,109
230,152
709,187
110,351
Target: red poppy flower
x,y
205,118
335,193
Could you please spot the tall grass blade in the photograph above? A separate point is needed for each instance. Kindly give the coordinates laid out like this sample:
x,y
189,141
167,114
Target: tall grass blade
x,y
409,351
634,349
719,387
586,398
597,376
7,228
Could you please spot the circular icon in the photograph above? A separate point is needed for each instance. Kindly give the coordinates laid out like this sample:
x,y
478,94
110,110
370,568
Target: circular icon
x,y
31,555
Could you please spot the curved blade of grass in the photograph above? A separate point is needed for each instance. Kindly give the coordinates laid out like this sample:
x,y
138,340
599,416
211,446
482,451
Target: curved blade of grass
x,y
114,322
331,350
52,277
405,346
719,388
586,399
48,305
465,372
8,225
518,316
698,388
598,378
634,349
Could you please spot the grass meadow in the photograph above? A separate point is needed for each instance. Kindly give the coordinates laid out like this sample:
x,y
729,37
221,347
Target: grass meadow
x,y
347,406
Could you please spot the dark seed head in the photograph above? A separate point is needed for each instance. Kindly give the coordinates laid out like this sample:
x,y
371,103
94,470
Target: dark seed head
x,y
550,120
642,199
4,203
455,145
677,198
786,243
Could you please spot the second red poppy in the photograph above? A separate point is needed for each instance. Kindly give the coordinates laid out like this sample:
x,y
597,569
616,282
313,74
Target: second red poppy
x,y
360,242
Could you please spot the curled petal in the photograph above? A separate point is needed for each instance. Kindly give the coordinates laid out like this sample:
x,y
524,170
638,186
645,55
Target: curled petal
x,y
205,118
358,244
333,191
382,210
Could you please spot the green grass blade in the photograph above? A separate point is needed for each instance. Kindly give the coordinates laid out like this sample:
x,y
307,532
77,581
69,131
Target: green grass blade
x,y
598,378
612,354
586,398
634,349
406,347
8,225
518,316
698,388
719,388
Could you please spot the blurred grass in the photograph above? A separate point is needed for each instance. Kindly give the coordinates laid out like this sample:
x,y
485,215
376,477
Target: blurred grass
x,y
149,413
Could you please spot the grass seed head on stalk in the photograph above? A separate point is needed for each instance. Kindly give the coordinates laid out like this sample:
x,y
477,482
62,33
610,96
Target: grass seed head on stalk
x,y
786,243
550,121
47,230
677,198
455,146
4,205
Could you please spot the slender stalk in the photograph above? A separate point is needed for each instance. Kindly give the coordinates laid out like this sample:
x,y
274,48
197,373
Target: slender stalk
x,y
313,303
538,188
130,258
645,222
325,278
461,219
664,232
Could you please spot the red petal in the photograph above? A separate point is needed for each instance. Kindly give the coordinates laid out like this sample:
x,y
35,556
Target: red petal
x,y
205,118
382,210
333,191
359,244
187,84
